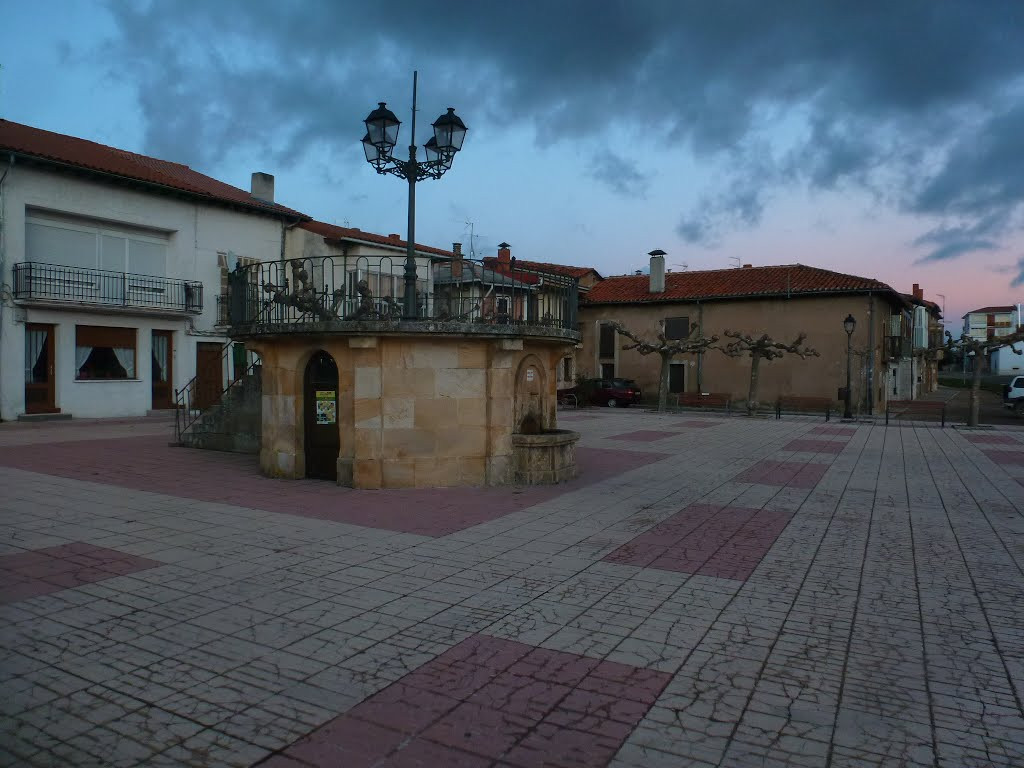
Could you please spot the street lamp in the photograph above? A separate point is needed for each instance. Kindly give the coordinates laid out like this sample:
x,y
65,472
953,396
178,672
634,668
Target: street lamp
x,y
849,324
378,145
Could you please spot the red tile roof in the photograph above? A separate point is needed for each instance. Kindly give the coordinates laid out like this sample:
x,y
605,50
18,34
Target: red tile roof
x,y
334,232
59,149
991,310
785,280
542,266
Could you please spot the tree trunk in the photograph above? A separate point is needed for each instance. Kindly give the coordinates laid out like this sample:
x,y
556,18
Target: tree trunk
x,y
663,385
974,405
755,365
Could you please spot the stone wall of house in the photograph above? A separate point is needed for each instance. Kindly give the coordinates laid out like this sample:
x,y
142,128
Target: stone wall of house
x,y
821,318
413,410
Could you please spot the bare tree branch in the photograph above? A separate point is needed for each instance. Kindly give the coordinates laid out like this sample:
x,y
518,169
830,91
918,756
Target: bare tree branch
x,y
693,343
763,348
981,349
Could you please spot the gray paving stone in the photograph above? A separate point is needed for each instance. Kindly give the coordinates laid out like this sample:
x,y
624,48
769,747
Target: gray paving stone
x,y
883,627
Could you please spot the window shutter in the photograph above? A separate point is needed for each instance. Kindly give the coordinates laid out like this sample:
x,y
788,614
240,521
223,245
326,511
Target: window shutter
x,y
101,336
677,327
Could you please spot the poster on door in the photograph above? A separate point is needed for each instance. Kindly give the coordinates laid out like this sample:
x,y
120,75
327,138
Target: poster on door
x,y
326,406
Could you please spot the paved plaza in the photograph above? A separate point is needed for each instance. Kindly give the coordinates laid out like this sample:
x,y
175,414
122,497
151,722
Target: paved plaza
x,y
711,591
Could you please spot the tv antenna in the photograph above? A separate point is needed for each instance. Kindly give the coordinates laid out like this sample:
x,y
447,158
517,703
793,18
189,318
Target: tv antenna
x,y
684,265
472,239
737,262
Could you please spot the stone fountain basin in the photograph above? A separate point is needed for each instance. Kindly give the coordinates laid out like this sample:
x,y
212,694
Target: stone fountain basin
x,y
544,458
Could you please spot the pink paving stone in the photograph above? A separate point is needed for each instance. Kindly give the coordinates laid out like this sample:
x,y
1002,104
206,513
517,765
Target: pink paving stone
x,y
706,539
814,446
148,464
523,707
788,473
837,431
1000,439
643,435
1006,457
43,571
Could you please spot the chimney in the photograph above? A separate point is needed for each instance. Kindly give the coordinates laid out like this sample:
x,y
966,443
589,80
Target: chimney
x,y
748,266
263,187
456,259
504,255
918,293
657,270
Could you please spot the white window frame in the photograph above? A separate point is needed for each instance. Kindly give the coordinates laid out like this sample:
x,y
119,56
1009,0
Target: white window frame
x,y
98,230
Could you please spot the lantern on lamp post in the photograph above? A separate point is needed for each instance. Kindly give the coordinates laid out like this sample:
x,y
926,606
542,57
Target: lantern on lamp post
x,y
379,144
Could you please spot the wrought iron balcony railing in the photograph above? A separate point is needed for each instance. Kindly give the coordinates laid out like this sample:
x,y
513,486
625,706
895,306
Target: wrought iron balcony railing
x,y
278,296
34,281
896,347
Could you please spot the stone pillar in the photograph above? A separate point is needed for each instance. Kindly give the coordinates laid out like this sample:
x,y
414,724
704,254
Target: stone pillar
x,y
281,449
500,389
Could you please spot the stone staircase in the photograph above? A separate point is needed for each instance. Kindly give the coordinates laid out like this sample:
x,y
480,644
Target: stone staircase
x,y
234,423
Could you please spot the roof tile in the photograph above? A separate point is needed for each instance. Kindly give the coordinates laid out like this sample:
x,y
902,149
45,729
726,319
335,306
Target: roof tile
x,y
788,279
90,156
334,232
543,266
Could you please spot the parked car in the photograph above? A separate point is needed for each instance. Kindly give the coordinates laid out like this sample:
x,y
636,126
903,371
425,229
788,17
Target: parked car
x,y
615,393
1013,395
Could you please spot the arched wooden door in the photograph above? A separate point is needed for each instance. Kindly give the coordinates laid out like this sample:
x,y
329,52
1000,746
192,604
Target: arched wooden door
x,y
320,397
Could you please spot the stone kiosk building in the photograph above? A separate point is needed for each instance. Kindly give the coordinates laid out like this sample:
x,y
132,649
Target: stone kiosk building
x,y
354,392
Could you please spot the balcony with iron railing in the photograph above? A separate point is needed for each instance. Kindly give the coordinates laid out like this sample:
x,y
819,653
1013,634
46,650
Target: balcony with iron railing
x,y
54,284
896,348
365,294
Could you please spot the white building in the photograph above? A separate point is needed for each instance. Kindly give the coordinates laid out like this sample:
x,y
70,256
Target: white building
x,y
111,264
989,322
1005,362
340,257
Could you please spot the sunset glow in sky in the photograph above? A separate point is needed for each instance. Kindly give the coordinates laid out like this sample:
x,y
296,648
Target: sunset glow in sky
x,y
876,138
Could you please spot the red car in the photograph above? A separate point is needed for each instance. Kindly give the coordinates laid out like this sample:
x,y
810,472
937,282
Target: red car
x,y
615,393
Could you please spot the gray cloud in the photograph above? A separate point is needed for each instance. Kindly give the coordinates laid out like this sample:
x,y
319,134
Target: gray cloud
x,y
618,173
918,102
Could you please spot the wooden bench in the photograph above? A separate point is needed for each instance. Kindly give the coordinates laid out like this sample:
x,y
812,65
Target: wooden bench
x,y
797,404
705,400
916,409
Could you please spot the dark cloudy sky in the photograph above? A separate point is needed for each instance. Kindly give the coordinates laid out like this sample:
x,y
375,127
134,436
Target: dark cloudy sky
x,y
879,138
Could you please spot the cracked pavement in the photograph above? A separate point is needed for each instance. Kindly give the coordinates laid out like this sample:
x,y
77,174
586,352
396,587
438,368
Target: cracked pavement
x,y
713,592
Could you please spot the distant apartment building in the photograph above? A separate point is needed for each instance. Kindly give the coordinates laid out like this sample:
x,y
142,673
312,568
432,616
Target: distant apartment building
x,y
991,322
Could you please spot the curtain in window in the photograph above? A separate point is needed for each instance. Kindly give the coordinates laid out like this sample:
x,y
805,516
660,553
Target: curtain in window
x,y
126,357
81,355
159,356
35,345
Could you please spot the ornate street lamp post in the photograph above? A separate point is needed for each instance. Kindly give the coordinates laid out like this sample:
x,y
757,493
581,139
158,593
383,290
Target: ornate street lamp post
x,y
378,144
849,324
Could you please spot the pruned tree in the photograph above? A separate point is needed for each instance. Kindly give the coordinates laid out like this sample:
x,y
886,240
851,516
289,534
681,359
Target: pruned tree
x,y
981,349
666,348
763,348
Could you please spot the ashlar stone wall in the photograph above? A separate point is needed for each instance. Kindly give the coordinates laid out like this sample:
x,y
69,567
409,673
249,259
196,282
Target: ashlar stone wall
x,y
414,411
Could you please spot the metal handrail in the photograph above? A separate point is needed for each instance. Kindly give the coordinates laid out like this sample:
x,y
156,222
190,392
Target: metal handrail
x,y
35,280
286,295
185,411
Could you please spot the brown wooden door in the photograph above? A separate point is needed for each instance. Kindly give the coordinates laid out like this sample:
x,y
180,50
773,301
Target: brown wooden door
x,y
40,369
163,369
323,440
209,375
